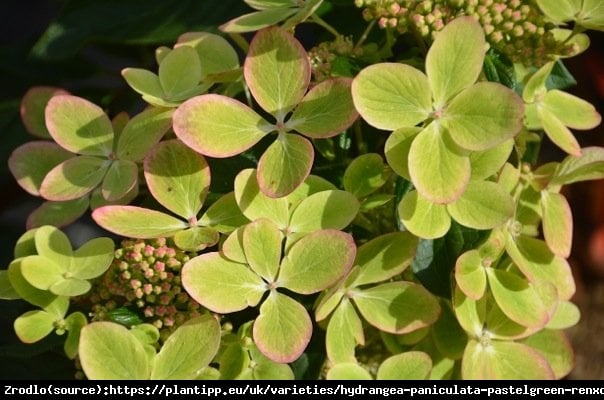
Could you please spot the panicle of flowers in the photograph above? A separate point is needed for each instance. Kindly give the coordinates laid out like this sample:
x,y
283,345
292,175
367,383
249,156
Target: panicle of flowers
x,y
323,56
145,275
422,17
517,28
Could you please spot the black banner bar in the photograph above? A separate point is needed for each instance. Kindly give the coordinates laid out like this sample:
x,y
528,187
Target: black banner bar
x,y
369,389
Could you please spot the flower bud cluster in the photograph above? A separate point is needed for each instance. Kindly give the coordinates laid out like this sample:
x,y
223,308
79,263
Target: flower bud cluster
x,y
145,274
517,28
422,17
323,56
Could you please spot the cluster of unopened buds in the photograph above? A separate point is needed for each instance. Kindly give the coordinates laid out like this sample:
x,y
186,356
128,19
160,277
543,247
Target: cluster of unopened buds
x,y
323,56
517,28
145,276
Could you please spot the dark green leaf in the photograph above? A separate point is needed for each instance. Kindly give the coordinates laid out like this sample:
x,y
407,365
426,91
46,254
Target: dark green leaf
x,y
344,66
560,77
129,21
448,335
57,213
498,68
435,259
233,361
124,316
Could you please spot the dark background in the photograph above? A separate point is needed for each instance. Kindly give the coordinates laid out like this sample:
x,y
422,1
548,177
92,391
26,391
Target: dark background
x,y
82,46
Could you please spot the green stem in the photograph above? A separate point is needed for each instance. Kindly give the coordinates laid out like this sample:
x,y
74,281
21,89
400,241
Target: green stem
x,y
320,21
386,51
577,29
248,95
365,223
358,134
533,150
420,41
240,41
331,167
364,35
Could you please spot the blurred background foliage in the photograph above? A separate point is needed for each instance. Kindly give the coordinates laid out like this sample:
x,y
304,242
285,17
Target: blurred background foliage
x,y
82,45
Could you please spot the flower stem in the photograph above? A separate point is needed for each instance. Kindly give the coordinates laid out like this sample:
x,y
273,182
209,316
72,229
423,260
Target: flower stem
x,y
364,35
320,21
358,134
240,41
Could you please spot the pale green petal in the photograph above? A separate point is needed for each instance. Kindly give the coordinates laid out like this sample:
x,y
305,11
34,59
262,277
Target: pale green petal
x,y
109,351
438,170
137,222
277,71
504,360
558,133
179,73
257,20
483,116
79,126
454,60
560,11
484,205
344,333
221,285
411,365
177,177
283,328
73,178
206,124
397,307
572,111
390,96
285,165
189,348
557,223
423,218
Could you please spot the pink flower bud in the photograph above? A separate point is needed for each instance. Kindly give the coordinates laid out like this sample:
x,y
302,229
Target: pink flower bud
x,y
148,288
149,312
160,252
136,257
529,27
165,299
499,8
